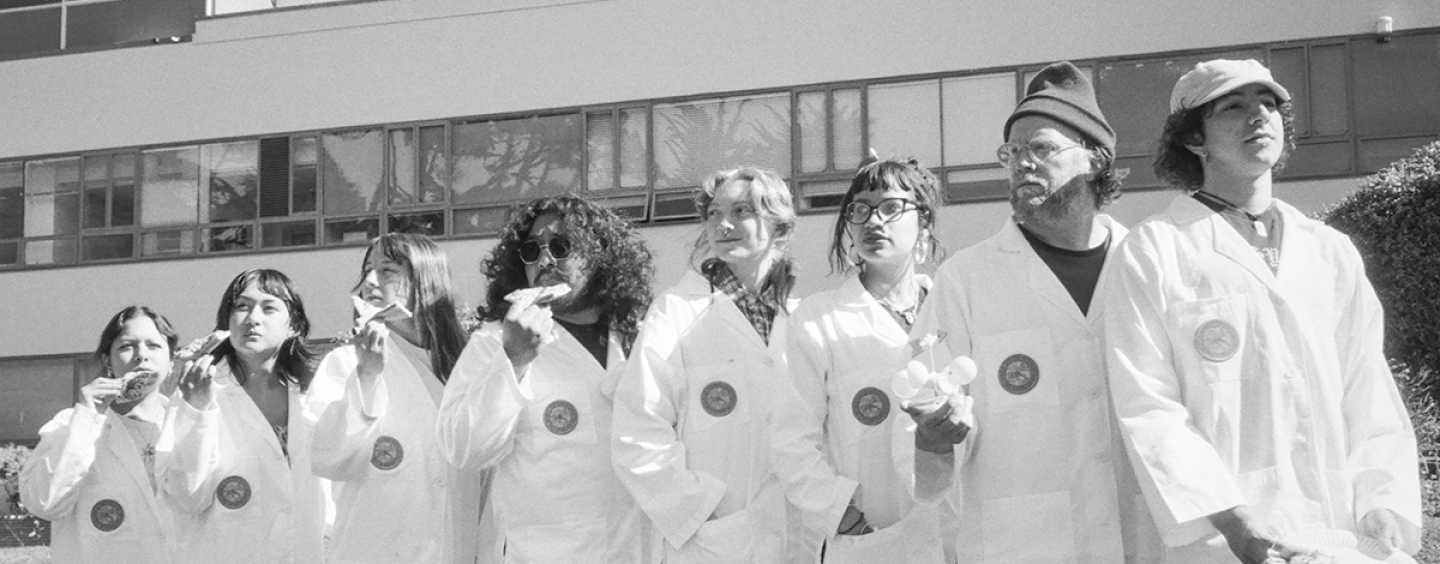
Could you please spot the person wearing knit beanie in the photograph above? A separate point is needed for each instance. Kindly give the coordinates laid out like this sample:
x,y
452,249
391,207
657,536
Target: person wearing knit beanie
x,y
1041,476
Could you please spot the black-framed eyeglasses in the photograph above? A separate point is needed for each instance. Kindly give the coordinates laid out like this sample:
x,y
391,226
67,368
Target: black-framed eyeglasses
x,y
888,209
558,249
1039,151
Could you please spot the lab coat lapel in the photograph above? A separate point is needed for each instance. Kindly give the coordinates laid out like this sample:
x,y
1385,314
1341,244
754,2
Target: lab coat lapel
x,y
251,414
1117,234
1223,238
122,445
1038,276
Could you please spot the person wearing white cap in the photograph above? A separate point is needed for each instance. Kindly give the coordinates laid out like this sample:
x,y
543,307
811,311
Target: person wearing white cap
x,y
1244,347
1042,477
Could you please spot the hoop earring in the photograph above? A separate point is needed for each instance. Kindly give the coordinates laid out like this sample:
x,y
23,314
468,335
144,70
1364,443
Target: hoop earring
x,y
922,248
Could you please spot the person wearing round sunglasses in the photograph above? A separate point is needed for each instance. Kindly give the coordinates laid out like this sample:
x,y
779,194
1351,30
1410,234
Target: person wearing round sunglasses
x,y
530,398
1042,476
376,399
691,437
845,346
1246,349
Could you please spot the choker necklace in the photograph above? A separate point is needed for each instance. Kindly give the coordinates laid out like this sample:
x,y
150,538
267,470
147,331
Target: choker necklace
x,y
907,315
1219,204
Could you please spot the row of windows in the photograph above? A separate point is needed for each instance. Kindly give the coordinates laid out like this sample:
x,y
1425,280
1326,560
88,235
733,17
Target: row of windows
x,y
40,27
1360,105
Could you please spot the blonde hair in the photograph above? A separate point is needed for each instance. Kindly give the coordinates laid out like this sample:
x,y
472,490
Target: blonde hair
x,y
768,193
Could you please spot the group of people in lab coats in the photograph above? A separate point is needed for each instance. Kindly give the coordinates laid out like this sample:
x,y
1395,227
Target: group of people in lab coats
x,y
1207,386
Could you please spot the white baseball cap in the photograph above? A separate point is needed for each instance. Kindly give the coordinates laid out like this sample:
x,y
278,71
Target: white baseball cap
x,y
1212,79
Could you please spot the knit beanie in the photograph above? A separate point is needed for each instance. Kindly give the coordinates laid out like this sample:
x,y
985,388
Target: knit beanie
x,y
1063,93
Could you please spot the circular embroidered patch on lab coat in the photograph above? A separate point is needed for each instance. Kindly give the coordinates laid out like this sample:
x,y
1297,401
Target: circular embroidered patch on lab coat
x,y
718,398
1216,340
107,515
387,453
233,492
1019,374
870,406
561,417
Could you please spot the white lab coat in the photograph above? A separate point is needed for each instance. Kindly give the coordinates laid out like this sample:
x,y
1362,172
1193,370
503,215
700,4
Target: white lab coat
x,y
396,497
1286,404
683,463
852,439
1043,476
87,475
241,501
555,494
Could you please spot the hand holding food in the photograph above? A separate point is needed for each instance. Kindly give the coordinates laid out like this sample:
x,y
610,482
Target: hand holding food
x,y
100,392
528,323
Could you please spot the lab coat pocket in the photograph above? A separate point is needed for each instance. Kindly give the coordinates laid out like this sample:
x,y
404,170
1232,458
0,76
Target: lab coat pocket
x,y
111,521
912,540
562,415
720,398
863,407
1032,528
1208,336
729,539
1017,371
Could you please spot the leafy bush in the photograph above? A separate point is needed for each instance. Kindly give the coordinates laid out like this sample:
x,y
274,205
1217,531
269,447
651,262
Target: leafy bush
x,y
12,458
1394,219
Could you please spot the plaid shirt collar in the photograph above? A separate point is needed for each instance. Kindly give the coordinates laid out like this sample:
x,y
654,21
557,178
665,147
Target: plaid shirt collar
x,y
758,308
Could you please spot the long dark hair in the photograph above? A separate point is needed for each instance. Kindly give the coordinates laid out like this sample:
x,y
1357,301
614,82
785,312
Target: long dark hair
x,y
619,261
1176,164
295,362
431,292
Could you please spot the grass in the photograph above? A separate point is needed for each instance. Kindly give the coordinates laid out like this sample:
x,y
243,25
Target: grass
x,y
25,555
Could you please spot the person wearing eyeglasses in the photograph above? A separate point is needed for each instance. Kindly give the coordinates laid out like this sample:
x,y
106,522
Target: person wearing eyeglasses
x,y
1246,349
845,346
376,398
531,394
691,437
1042,475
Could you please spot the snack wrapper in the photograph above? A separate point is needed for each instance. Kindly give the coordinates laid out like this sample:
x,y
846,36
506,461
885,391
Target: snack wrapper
x,y
540,294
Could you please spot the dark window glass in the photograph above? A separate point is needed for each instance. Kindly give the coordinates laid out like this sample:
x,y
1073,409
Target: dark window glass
x,y
1288,67
516,159
1135,97
95,173
1319,159
173,242
108,247
94,207
429,223
1396,85
117,23
4,4
1376,154
122,191
10,253
33,31
290,234
433,170
303,177
402,178
1329,101
233,238
351,231
34,391
275,177
12,200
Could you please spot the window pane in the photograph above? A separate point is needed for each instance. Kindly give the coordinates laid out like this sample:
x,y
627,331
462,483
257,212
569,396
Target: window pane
x,y
54,175
122,191
1135,98
846,123
12,200
108,247
1329,101
402,166
814,142
483,221
634,146
428,223
823,194
630,208
351,230
1141,171
1317,159
695,139
1376,154
293,234
52,214
50,251
233,238
30,31
977,184
169,190
905,120
1288,68
1395,85
303,187
600,150
234,186
178,241
976,108
432,164
351,169
95,175
10,253
516,159
35,390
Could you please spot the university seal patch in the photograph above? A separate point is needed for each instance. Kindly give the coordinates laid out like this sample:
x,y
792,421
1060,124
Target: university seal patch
x,y
1019,374
387,453
107,515
233,492
1216,340
561,417
718,398
870,406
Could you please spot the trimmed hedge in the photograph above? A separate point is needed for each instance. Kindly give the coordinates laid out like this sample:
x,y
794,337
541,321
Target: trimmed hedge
x,y
1394,220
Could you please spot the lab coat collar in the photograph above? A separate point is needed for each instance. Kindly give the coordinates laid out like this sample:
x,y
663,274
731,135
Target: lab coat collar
x,y
250,413
574,353
1296,236
853,295
1042,280
695,286
118,441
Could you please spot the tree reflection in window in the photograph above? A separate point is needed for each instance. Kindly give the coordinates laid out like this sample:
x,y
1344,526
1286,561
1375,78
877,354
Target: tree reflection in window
x,y
694,139
515,159
233,170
